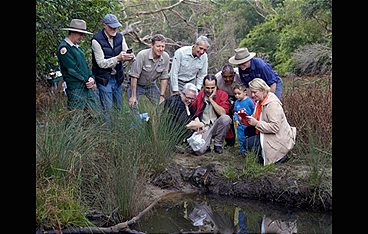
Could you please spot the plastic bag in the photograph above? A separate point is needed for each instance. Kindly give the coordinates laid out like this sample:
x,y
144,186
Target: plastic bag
x,y
196,141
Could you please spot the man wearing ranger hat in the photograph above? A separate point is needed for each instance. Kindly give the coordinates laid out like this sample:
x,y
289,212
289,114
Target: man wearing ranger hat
x,y
74,68
251,67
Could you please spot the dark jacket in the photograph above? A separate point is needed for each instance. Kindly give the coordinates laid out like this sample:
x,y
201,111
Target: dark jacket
x,y
103,74
174,110
73,65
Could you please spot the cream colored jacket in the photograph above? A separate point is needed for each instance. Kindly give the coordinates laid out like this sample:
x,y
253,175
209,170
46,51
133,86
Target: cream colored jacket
x,y
276,136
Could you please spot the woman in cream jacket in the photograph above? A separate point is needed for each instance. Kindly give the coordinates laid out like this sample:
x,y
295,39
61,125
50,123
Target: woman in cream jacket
x,y
276,136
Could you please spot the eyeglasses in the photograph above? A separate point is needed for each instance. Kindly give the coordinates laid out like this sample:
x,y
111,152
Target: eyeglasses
x,y
189,98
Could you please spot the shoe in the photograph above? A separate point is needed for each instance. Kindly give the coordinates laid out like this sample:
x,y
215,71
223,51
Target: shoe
x,y
282,160
218,149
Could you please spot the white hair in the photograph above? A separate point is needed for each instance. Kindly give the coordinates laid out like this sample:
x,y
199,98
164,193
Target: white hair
x,y
203,39
190,87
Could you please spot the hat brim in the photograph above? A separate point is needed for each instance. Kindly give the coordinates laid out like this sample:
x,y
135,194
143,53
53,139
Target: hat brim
x,y
115,25
76,30
232,60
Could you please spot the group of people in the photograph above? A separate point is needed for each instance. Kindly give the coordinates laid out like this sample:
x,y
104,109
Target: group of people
x,y
244,99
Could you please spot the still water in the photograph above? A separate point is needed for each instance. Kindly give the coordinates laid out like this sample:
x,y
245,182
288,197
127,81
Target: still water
x,y
209,213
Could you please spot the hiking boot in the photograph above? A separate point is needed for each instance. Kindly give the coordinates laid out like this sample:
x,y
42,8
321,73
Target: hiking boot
x,y
218,149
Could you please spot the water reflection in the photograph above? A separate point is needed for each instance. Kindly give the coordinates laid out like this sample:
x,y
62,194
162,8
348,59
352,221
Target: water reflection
x,y
213,214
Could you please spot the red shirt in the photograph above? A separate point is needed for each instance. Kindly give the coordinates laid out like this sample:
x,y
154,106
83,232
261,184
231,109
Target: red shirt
x,y
221,98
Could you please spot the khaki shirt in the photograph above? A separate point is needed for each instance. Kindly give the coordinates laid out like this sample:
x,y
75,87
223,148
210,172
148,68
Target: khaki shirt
x,y
147,69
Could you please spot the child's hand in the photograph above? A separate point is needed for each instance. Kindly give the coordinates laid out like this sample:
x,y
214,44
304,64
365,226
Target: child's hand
x,y
236,124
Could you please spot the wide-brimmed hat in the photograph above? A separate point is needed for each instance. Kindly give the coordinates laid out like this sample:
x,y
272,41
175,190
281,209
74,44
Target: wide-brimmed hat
x,y
77,25
111,20
242,55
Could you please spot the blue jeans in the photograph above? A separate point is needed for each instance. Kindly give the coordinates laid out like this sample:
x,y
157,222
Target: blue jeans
x,y
152,92
241,137
278,90
110,95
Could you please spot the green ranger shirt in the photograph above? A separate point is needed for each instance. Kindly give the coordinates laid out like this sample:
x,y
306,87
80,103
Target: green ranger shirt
x,y
75,71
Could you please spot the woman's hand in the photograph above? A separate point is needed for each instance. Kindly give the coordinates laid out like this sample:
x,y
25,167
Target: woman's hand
x,y
251,120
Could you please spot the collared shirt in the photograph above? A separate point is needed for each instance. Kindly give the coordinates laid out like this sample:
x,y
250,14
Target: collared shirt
x,y
70,42
228,88
99,54
147,69
186,67
209,115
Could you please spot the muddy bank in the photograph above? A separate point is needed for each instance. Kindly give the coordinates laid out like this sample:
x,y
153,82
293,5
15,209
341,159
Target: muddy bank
x,y
287,184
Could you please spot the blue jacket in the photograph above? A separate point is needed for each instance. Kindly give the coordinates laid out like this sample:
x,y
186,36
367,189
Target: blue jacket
x,y
258,69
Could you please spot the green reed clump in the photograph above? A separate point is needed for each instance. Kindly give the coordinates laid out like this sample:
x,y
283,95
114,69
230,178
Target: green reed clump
x,y
118,173
130,151
163,133
64,140
106,167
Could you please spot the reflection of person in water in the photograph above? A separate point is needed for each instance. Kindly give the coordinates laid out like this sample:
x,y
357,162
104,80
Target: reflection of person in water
x,y
209,220
240,221
201,217
278,226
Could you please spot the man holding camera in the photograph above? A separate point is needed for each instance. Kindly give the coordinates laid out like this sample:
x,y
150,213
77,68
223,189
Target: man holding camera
x,y
150,65
109,54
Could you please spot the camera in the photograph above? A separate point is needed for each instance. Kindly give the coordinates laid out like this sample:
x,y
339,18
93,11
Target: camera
x,y
129,51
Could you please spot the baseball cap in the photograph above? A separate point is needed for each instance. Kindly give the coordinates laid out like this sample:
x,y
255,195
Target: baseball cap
x,y
111,20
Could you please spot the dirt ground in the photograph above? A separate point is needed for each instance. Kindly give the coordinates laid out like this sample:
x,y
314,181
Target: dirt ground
x,y
287,183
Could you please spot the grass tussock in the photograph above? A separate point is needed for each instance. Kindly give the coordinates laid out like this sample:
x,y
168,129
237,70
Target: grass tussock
x,y
107,167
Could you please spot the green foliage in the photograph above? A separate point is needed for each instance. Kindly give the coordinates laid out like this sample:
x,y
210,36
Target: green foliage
x,y
263,38
231,173
294,24
253,169
53,15
58,208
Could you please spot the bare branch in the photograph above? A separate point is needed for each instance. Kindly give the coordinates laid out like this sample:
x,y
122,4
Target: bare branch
x,y
257,9
181,17
192,2
158,10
